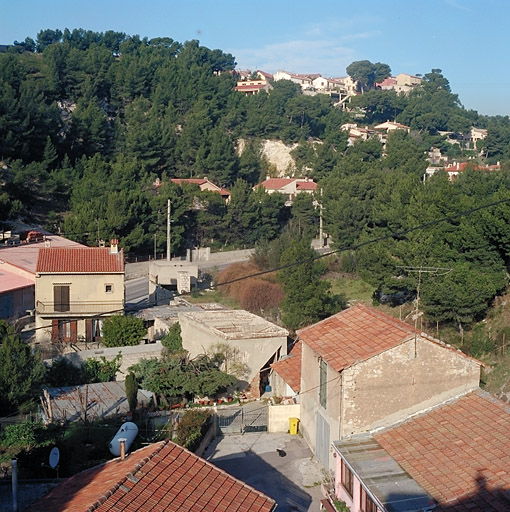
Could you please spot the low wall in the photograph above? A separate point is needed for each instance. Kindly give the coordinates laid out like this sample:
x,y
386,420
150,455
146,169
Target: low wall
x,y
130,355
209,436
278,417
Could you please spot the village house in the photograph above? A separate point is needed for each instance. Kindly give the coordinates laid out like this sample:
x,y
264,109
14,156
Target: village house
x,y
18,259
289,187
362,370
75,288
250,87
203,184
401,83
451,457
250,343
160,477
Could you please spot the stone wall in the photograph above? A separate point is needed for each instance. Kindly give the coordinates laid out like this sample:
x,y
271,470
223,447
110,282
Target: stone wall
x,y
130,355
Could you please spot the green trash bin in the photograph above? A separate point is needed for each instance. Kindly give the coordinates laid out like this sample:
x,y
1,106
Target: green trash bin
x,y
293,426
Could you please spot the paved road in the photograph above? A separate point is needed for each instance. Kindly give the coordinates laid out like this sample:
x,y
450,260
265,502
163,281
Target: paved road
x,y
137,293
292,481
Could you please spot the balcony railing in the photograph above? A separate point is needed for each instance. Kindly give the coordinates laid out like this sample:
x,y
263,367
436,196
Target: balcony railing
x,y
85,307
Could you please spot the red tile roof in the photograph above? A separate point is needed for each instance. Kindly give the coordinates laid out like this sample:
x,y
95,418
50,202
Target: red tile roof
x,y
89,260
276,183
306,185
458,452
160,477
354,335
199,182
289,368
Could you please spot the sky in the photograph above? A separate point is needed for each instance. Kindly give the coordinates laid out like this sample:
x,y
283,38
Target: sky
x,y
469,40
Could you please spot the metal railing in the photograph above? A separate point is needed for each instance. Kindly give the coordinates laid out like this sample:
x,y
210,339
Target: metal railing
x,y
78,307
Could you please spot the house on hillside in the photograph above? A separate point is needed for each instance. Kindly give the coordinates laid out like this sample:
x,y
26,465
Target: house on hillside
x,y
303,80
252,343
250,87
362,370
451,457
18,259
75,288
203,184
289,187
159,477
403,82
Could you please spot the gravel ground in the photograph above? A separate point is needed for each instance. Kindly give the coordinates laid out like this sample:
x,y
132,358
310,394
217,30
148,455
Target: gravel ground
x,y
27,494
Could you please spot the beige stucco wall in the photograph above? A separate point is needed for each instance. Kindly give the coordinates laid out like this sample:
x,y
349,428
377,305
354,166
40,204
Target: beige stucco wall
x,y
279,387
82,288
87,298
404,380
309,399
278,417
254,353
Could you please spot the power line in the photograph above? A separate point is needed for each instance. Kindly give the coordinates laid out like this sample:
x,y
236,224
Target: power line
x,y
393,235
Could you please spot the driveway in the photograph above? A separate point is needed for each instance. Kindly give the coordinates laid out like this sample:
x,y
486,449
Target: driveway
x,y
292,480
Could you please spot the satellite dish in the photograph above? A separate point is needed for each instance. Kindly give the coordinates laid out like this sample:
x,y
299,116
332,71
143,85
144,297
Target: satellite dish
x,y
54,457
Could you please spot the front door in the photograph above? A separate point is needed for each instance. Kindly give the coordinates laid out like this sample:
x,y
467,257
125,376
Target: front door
x,y
322,440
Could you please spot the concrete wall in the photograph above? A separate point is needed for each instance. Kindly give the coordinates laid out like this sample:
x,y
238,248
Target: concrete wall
x,y
252,353
279,387
404,380
130,356
278,417
309,401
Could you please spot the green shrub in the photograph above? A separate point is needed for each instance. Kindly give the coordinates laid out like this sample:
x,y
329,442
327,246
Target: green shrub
x,y
172,340
101,371
192,428
131,391
62,373
121,331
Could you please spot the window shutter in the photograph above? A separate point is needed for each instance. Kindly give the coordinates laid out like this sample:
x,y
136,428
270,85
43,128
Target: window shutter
x,y
54,331
88,329
74,331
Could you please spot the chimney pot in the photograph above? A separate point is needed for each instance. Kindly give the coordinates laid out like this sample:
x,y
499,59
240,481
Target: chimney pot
x,y
122,442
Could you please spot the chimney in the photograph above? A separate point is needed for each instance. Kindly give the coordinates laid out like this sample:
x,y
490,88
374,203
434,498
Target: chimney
x,y
122,442
114,246
47,242
101,243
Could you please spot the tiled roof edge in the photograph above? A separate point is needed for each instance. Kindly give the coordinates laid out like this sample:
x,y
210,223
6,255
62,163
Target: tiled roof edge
x,y
116,486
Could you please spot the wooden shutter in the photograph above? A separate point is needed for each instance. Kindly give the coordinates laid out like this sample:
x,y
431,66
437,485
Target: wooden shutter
x,y
54,331
73,338
88,329
61,298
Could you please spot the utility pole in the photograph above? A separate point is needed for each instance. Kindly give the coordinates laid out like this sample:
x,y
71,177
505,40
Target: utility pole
x,y
321,235
439,271
168,231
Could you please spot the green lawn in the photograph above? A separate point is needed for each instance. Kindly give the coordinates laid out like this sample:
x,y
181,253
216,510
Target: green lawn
x,y
353,288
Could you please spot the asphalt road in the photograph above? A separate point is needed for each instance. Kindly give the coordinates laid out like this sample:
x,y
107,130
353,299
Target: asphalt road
x,y
293,480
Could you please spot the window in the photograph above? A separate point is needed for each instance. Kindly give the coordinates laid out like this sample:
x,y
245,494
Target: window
x,y
108,288
61,298
64,331
323,383
346,478
367,505
97,328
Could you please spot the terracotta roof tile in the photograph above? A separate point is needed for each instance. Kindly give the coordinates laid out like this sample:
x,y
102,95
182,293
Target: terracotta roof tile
x,y
57,260
354,335
458,452
160,477
289,368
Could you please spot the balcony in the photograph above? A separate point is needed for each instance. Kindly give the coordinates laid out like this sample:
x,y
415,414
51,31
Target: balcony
x,y
73,308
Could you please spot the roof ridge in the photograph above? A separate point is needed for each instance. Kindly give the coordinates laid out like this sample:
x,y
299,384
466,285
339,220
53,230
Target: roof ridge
x,y
139,465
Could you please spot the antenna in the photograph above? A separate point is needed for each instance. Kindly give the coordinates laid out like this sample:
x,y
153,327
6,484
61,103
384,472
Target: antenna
x,y
438,271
